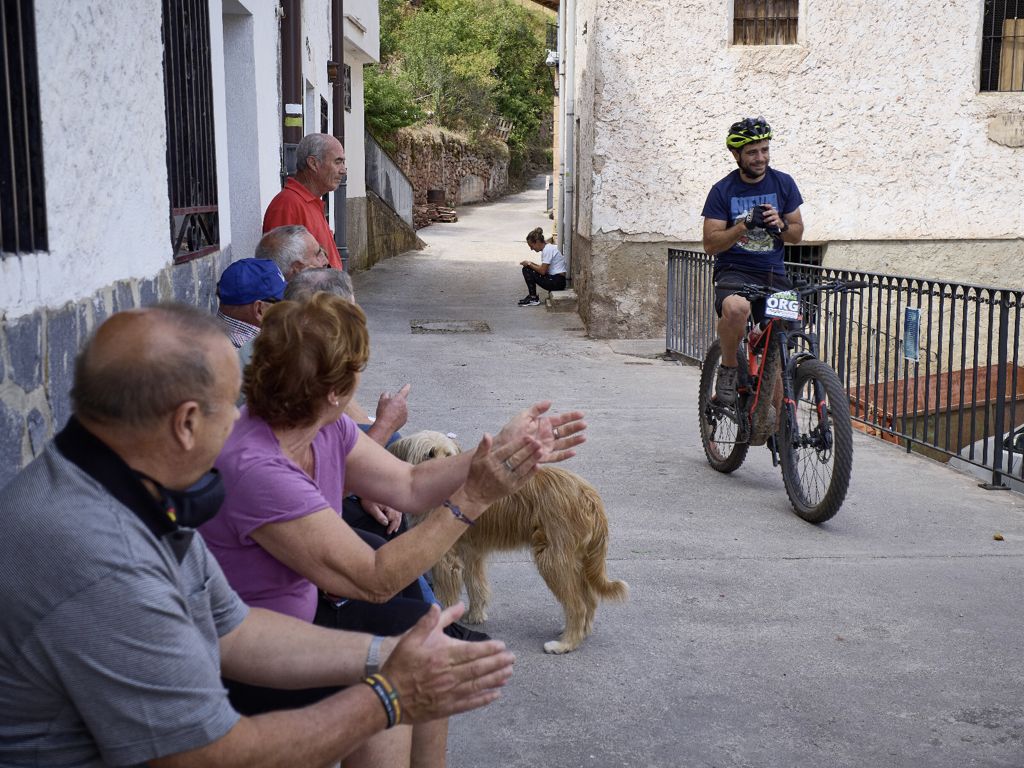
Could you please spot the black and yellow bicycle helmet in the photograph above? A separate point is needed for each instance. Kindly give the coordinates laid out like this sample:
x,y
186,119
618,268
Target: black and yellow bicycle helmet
x,y
747,131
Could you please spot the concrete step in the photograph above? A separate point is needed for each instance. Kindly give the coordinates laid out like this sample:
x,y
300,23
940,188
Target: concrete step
x,y
561,301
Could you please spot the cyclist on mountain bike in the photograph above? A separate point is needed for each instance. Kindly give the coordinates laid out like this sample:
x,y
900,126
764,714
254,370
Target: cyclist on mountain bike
x,y
748,217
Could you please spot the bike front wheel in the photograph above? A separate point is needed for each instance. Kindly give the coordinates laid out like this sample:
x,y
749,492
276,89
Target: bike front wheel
x,y
719,430
817,460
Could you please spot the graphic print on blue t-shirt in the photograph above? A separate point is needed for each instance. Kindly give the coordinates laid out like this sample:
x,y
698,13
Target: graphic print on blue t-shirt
x,y
738,206
755,240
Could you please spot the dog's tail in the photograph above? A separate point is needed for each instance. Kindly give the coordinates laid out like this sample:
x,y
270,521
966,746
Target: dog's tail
x,y
597,550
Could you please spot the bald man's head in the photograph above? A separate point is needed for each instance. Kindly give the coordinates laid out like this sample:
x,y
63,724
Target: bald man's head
x,y
141,364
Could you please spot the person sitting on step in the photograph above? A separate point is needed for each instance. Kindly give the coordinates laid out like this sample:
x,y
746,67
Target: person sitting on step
x,y
550,274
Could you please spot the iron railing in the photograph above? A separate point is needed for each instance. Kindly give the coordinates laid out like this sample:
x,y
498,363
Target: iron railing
x,y
22,189
191,153
387,181
931,364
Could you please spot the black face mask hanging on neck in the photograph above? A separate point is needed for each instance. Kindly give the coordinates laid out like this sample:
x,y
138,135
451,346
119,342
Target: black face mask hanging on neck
x,y
194,505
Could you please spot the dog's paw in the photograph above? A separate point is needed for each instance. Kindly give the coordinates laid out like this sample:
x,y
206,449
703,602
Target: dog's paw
x,y
557,646
475,617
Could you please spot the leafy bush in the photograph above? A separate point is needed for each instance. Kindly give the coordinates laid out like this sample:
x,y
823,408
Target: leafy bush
x,y
462,64
389,103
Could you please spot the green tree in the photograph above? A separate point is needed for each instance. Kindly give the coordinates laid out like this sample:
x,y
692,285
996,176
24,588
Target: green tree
x,y
389,103
464,64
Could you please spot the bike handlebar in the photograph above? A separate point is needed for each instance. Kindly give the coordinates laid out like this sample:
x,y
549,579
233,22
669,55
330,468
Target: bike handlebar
x,y
757,291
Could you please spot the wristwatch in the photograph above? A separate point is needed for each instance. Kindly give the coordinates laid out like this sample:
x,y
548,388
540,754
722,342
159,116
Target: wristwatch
x,y
785,226
373,656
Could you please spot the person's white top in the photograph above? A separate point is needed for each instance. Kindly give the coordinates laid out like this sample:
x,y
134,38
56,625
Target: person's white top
x,y
551,255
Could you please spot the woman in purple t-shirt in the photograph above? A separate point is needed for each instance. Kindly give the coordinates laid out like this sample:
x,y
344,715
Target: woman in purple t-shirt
x,y
279,536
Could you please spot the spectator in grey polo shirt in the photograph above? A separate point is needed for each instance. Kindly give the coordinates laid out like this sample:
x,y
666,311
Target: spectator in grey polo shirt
x,y
117,622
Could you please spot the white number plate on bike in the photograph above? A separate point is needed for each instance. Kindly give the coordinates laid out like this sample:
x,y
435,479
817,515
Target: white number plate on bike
x,y
784,305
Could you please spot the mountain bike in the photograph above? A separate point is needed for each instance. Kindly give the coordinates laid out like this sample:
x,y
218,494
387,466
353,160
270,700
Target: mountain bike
x,y
813,439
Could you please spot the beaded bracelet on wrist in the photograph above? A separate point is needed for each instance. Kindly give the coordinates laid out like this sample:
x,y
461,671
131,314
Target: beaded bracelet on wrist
x,y
458,513
388,698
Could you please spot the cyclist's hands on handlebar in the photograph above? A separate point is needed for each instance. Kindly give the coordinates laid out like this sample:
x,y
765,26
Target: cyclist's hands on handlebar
x,y
754,291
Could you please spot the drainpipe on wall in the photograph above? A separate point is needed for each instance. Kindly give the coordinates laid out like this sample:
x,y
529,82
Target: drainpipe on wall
x,y
291,84
560,203
338,101
569,147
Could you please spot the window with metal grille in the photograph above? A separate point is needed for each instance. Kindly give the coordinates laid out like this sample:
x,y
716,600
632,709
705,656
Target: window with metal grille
x,y
797,255
22,192
765,22
191,154
1002,46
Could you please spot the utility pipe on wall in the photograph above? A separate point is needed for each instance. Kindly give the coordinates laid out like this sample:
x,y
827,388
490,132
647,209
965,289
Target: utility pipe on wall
x,y
338,107
560,203
291,84
569,147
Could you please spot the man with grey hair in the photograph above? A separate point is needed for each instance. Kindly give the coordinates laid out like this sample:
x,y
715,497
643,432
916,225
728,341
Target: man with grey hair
x,y
293,249
117,621
302,286
319,169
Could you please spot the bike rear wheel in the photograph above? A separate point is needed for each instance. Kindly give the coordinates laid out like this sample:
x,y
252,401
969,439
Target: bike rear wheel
x,y
817,461
718,427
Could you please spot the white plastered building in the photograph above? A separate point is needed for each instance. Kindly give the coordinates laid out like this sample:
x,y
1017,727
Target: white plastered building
x,y
129,185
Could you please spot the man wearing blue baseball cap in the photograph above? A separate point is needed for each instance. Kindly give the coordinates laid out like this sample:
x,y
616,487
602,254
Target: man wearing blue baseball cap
x,y
245,290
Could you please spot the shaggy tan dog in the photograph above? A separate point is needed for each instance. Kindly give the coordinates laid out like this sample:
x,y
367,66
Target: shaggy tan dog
x,y
557,514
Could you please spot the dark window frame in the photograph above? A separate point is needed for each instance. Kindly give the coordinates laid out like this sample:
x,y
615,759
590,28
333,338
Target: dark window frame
x,y
191,142
1002,47
765,22
22,179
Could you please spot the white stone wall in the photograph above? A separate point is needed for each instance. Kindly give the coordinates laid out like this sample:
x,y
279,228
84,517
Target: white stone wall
x,y
253,116
316,52
362,29
355,139
362,47
876,114
103,120
589,168
104,150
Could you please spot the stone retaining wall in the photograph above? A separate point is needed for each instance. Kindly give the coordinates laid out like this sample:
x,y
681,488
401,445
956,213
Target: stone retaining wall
x,y
387,234
38,351
434,158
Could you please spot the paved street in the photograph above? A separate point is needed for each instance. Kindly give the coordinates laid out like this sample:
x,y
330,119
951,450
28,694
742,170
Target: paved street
x,y
890,636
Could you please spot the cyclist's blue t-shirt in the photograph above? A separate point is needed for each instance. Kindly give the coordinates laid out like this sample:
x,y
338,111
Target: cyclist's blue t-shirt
x,y
730,200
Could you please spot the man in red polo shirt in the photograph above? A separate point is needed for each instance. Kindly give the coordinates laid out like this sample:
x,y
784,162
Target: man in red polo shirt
x,y
320,167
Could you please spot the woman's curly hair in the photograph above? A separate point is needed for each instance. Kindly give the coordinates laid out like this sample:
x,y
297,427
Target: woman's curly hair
x,y
304,352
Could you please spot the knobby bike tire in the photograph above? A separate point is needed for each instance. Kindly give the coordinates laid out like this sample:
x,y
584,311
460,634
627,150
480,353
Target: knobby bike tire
x,y
717,431
817,477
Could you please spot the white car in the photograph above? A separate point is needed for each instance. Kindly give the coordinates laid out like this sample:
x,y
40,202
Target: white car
x,y
1013,458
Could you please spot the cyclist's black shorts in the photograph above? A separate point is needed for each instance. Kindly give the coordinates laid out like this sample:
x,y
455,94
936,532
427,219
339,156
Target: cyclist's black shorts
x,y
733,276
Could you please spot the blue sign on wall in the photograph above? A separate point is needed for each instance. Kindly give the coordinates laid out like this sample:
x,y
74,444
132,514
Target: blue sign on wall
x,y
912,333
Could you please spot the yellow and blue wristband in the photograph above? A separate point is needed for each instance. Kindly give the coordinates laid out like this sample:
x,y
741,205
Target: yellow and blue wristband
x,y
388,697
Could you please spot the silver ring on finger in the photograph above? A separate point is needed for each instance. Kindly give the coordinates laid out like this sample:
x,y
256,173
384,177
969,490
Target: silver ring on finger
x,y
508,465
555,432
